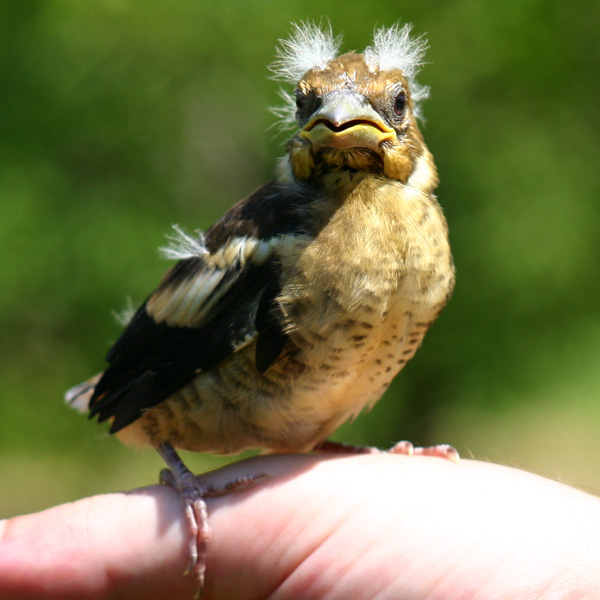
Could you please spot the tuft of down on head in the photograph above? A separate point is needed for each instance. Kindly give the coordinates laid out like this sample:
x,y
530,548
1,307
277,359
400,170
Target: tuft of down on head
x,y
310,46
393,48
313,46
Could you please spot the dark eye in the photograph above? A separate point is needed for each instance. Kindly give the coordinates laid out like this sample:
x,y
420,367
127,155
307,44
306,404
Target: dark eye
x,y
306,102
301,100
400,103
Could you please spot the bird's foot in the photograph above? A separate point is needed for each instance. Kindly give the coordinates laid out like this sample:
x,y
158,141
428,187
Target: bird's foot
x,y
192,494
442,450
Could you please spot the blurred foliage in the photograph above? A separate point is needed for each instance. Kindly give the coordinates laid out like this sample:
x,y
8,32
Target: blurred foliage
x,y
121,117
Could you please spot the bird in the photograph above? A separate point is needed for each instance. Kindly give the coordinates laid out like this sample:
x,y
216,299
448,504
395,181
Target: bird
x,y
295,310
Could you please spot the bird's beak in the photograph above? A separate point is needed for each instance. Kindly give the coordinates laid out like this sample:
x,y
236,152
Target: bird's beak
x,y
345,119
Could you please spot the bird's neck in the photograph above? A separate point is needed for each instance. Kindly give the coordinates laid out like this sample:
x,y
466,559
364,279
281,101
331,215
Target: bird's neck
x,y
333,182
341,180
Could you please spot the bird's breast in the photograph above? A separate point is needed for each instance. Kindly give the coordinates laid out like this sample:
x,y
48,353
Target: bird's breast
x,y
382,251
361,293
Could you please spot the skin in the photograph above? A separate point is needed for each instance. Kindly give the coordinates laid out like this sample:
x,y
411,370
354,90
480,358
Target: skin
x,y
362,527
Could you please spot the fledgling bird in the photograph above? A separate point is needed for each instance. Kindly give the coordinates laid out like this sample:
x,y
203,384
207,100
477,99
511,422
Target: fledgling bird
x,y
298,307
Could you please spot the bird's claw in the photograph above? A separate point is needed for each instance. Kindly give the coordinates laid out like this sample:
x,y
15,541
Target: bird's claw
x,y
192,494
441,451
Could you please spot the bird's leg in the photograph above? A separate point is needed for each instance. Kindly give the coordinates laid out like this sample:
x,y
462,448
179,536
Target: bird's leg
x,y
192,494
442,450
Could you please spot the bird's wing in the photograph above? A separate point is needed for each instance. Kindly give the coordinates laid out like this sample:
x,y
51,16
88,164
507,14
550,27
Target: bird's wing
x,y
208,306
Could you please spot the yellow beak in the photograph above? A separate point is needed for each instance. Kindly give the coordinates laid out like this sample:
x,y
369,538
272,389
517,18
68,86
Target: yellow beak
x,y
346,120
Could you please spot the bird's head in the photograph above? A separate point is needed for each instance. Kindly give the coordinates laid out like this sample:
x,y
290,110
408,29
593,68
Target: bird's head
x,y
354,111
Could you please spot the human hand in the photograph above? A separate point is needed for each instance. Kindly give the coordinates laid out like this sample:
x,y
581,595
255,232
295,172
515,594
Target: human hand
x,y
366,526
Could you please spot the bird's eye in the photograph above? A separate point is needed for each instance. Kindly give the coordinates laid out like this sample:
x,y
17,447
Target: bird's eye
x,y
306,102
300,100
400,103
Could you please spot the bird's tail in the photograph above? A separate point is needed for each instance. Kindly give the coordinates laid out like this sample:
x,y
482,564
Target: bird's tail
x,y
79,396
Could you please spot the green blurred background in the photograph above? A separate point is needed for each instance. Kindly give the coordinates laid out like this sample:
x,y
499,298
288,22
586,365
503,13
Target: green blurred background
x,y
119,118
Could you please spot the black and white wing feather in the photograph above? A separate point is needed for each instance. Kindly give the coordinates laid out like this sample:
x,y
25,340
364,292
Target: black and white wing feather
x,y
208,306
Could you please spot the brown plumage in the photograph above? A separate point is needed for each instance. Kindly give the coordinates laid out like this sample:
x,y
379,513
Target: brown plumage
x,y
296,309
